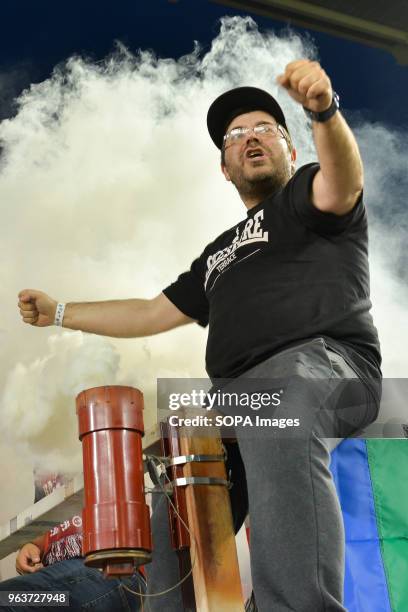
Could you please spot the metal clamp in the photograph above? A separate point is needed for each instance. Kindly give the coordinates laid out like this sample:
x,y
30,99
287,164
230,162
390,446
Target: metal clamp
x,y
201,480
182,459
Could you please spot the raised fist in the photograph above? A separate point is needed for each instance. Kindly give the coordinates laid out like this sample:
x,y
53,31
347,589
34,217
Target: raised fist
x,y
36,308
307,83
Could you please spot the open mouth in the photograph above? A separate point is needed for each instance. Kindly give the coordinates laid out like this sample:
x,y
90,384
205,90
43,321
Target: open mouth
x,y
254,154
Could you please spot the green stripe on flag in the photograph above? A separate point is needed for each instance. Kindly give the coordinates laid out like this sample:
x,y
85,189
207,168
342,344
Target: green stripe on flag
x,y
388,461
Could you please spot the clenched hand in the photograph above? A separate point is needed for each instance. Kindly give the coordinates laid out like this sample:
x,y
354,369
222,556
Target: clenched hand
x,y
307,83
28,559
36,308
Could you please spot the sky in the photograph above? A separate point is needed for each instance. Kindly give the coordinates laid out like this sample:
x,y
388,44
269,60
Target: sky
x,y
36,36
110,186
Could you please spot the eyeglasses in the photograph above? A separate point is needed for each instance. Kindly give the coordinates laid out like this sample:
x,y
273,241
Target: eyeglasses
x,y
237,134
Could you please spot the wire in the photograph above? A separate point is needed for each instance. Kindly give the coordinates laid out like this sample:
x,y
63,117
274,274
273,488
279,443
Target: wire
x,y
193,540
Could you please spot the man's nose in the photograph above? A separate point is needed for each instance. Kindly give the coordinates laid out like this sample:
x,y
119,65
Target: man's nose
x,y
252,137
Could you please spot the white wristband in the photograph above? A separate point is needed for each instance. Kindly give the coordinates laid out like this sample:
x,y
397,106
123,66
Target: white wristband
x,y
59,315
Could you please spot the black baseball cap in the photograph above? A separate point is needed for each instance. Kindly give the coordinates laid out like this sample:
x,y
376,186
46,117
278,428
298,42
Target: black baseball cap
x,y
237,102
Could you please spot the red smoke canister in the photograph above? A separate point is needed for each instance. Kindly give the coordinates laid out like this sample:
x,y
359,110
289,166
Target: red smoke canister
x,y
116,519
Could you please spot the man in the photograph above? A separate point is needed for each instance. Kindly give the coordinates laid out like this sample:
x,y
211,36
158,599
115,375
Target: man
x,y
46,566
54,562
286,296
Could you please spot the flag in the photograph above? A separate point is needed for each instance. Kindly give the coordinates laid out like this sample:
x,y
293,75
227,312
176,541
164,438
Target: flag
x,y
371,478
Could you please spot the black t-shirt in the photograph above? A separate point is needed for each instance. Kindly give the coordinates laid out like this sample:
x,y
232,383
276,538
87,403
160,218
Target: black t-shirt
x,y
286,273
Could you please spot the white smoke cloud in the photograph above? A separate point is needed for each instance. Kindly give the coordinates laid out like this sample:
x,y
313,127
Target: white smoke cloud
x,y
110,186
385,161
38,404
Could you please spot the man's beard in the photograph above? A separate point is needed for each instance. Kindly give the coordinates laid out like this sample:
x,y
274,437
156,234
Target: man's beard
x,y
261,185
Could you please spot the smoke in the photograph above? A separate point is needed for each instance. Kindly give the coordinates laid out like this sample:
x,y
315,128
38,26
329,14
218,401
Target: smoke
x,y
385,161
39,399
110,186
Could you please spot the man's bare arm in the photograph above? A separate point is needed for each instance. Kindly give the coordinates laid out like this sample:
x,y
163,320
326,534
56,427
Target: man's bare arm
x,y
339,182
133,318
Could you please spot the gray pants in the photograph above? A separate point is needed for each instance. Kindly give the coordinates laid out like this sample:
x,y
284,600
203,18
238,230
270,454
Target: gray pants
x,y
282,478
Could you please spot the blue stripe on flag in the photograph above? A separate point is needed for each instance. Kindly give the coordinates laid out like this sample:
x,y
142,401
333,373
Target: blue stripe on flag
x,y
365,588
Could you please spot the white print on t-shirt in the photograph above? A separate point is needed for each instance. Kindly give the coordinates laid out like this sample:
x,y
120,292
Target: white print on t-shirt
x,y
251,233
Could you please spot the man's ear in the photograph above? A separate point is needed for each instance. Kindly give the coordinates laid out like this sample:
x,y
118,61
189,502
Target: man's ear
x,y
293,161
225,172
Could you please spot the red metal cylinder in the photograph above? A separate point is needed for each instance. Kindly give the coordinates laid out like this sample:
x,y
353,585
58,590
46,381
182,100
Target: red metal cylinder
x,y
116,519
